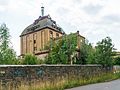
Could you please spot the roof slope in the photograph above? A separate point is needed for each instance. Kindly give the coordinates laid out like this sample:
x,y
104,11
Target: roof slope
x,y
40,23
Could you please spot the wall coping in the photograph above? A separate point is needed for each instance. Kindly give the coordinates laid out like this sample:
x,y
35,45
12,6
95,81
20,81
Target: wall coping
x,y
45,65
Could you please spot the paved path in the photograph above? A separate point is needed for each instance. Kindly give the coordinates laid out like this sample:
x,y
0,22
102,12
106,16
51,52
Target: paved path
x,y
113,85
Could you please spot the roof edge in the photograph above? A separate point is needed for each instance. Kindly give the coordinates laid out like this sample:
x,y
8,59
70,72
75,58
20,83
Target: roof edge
x,y
41,29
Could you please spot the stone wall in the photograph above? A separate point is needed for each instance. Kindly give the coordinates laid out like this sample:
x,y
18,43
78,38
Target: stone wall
x,y
15,74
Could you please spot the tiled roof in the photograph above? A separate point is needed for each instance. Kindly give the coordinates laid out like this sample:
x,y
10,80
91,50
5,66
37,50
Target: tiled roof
x,y
42,22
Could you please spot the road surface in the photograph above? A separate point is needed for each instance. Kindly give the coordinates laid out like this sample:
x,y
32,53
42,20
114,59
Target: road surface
x,y
113,85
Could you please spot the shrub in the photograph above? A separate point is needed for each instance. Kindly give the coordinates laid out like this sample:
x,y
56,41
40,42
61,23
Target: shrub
x,y
30,59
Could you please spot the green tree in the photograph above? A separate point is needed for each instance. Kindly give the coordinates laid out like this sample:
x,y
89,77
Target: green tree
x,y
30,59
89,52
9,57
86,54
104,52
4,37
62,49
7,54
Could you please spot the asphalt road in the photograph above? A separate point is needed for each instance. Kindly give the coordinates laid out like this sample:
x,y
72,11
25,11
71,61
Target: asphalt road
x,y
113,85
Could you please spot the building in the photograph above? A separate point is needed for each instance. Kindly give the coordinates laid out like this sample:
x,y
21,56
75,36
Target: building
x,y
34,37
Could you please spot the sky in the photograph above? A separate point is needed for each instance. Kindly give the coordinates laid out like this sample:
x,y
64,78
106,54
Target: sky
x,y
94,19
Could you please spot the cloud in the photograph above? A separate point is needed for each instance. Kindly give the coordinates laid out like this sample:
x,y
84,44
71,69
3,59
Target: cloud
x,y
4,2
112,18
92,9
3,5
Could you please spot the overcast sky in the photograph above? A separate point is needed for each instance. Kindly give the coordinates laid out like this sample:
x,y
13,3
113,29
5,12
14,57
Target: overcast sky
x,y
95,19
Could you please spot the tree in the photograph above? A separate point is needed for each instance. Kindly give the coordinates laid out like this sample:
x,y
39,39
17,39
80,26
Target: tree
x,y
4,37
7,54
86,54
89,53
103,54
9,57
62,49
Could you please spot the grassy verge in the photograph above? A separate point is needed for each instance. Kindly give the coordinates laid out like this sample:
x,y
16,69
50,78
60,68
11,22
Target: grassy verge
x,y
72,82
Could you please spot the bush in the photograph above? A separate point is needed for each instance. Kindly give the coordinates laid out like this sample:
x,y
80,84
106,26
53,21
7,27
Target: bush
x,y
30,60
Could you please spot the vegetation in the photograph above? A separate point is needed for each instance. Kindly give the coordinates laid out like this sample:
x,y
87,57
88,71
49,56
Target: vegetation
x,y
101,54
87,54
117,61
71,82
7,54
62,49
30,59
104,52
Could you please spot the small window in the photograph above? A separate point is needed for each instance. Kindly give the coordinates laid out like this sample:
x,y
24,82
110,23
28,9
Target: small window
x,y
35,48
57,35
34,41
51,34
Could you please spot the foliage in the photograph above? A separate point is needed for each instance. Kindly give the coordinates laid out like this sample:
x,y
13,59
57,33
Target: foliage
x,y
103,53
7,54
9,57
88,54
4,37
30,59
117,61
62,49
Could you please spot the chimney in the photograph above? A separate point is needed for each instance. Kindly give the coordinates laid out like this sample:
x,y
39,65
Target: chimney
x,y
42,11
78,32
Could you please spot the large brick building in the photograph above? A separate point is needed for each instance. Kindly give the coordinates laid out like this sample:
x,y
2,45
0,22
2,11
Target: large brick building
x,y
34,37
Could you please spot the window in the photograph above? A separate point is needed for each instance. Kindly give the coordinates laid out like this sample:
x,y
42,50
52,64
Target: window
x,y
57,35
34,41
51,34
35,48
